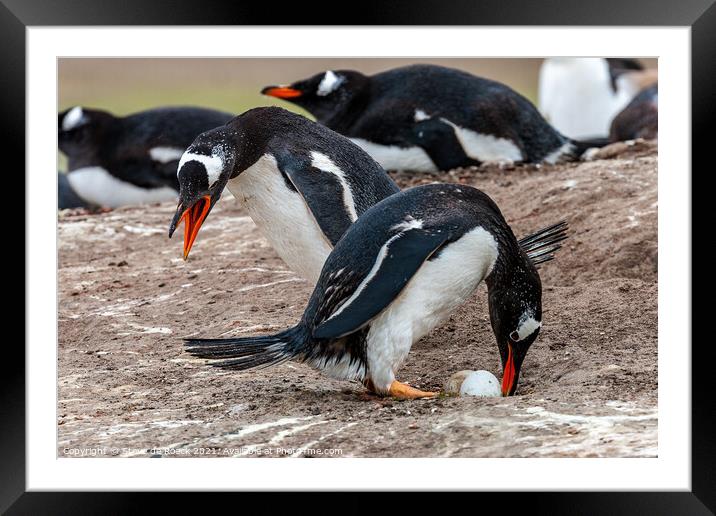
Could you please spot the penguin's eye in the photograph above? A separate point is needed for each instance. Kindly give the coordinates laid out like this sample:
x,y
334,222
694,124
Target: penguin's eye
x,y
514,336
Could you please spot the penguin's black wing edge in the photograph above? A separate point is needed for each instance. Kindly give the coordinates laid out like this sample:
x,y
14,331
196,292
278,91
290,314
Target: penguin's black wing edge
x,y
323,194
396,264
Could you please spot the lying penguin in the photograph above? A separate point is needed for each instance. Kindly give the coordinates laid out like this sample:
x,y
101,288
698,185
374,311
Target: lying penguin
x,y
115,161
428,118
400,270
639,119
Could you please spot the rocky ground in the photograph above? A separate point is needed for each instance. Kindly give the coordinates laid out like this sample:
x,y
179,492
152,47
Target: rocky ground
x,y
588,387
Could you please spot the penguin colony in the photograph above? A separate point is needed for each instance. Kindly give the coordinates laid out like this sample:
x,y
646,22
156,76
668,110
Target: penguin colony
x,y
388,265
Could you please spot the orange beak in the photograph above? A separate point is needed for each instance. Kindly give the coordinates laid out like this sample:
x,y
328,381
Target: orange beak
x,y
508,376
281,92
193,218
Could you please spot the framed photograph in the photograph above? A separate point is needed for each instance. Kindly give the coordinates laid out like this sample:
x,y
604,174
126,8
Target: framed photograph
x,y
446,252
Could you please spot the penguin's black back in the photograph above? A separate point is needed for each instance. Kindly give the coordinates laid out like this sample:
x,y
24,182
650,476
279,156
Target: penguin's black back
x,y
290,136
476,103
170,126
122,145
450,209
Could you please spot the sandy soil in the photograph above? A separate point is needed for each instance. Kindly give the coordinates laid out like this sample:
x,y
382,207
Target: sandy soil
x,y
588,387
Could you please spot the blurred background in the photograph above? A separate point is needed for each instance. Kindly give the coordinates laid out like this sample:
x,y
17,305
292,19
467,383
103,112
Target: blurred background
x,y
124,85
127,85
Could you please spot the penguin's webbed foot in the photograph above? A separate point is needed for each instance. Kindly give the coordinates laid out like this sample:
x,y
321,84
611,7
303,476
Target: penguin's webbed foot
x,y
406,392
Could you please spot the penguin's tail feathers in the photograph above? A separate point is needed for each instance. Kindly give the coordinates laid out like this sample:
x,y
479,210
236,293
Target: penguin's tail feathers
x,y
541,245
250,352
579,147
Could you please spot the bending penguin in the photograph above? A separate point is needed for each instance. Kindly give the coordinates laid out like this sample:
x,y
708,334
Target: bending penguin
x,y
398,272
428,118
115,161
302,184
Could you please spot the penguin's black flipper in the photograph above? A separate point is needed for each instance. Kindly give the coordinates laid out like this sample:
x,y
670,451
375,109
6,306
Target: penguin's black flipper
x,y
438,140
395,264
331,212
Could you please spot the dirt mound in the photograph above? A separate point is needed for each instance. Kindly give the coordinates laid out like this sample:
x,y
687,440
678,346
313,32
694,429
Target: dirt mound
x,y
126,298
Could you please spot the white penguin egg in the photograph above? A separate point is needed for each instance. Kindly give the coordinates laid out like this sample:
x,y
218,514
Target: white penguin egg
x,y
480,383
453,384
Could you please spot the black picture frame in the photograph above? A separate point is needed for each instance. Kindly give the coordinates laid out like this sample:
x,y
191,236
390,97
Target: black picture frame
x,y
700,15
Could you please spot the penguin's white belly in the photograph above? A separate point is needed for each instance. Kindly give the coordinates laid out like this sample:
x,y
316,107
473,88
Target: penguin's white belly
x,y
434,292
98,186
282,216
581,113
576,97
392,157
485,147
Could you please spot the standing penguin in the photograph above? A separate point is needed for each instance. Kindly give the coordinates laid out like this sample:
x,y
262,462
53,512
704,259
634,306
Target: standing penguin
x,y
580,96
302,184
398,272
115,161
427,118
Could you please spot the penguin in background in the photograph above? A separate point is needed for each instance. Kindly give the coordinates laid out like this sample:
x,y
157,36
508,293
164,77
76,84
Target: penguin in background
x,y
429,118
581,96
639,119
399,271
302,184
115,161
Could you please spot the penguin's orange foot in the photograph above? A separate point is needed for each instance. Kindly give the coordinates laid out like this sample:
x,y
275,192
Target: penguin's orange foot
x,y
406,392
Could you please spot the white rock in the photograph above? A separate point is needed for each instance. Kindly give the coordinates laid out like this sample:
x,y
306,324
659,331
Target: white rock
x,y
480,383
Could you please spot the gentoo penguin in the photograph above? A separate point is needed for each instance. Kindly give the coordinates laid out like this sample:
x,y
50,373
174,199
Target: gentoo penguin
x,y
301,183
427,118
581,96
114,161
398,272
640,119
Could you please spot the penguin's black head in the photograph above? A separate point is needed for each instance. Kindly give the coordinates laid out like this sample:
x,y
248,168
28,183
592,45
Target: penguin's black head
x,y
324,94
516,317
203,171
81,131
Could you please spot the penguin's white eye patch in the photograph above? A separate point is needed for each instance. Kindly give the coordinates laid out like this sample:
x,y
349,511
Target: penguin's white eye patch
x,y
528,325
212,164
329,83
74,118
